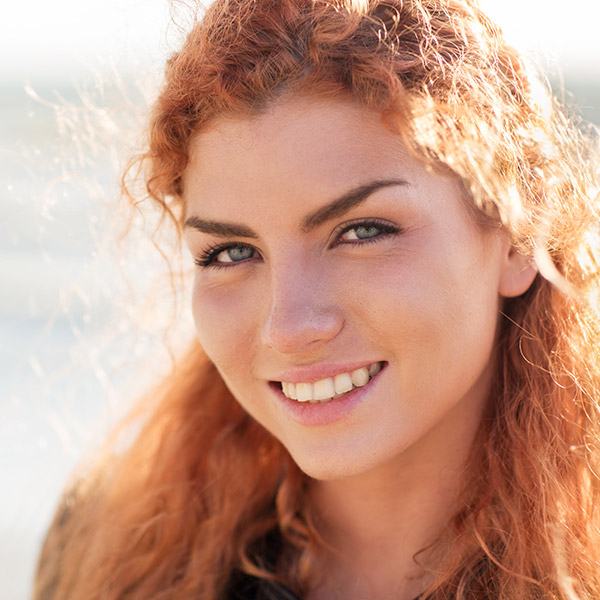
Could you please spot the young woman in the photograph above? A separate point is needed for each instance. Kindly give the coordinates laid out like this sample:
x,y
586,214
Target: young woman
x,y
395,388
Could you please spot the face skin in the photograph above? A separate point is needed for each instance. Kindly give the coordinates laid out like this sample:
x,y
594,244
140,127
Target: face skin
x,y
418,287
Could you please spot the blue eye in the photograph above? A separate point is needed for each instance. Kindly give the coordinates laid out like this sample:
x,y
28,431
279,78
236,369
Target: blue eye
x,y
366,231
224,255
361,232
234,254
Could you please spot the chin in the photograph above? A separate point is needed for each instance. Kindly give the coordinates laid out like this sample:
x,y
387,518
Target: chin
x,y
329,464
327,472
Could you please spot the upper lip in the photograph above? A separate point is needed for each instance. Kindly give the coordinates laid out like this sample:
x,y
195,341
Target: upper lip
x,y
317,372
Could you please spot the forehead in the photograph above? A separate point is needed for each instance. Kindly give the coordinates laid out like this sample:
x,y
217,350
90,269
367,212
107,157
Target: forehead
x,y
298,155
298,138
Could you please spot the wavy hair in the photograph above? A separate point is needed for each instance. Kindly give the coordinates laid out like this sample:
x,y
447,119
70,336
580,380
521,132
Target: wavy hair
x,y
191,499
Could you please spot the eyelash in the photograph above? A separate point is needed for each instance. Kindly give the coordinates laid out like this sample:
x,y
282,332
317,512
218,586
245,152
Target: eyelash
x,y
207,257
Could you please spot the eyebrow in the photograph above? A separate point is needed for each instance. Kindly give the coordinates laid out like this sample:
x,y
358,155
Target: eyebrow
x,y
220,228
336,208
346,202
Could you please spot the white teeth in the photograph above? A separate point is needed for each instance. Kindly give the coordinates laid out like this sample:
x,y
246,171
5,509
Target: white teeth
x,y
324,388
343,383
330,387
304,392
360,377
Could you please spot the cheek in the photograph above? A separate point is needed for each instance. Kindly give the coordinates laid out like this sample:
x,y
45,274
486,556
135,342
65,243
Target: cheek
x,y
456,321
225,320
441,307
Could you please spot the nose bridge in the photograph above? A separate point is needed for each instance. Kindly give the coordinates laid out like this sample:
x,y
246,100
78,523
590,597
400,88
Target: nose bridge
x,y
302,310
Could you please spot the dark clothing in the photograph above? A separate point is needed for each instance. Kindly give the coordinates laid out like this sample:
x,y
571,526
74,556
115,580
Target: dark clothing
x,y
246,587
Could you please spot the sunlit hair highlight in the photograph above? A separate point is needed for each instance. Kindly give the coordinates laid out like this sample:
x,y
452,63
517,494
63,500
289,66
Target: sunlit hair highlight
x,y
188,503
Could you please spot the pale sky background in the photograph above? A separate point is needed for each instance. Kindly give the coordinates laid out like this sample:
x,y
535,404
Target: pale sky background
x,y
42,39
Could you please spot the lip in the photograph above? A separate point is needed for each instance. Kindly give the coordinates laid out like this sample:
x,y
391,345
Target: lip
x,y
326,413
317,372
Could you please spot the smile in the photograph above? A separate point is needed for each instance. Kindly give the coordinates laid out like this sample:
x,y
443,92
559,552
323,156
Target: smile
x,y
329,388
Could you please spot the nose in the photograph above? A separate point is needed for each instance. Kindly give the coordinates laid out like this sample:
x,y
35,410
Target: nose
x,y
302,312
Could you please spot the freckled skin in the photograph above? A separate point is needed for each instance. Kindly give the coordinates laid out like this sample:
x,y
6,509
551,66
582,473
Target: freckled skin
x,y
425,299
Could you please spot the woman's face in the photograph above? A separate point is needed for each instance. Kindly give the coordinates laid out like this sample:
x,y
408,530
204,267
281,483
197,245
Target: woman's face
x,y
330,259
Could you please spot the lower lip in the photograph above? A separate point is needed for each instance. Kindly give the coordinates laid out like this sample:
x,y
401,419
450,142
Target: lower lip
x,y
325,413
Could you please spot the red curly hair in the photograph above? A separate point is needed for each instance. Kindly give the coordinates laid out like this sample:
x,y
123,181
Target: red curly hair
x,y
189,501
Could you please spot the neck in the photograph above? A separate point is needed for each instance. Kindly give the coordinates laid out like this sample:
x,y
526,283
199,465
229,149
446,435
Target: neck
x,y
374,523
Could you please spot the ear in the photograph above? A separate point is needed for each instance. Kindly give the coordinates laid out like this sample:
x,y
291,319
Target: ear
x,y
518,272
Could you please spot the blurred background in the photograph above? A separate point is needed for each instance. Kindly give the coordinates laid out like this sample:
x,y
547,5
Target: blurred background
x,y
82,314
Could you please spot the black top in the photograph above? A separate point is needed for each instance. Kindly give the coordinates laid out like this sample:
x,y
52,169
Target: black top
x,y
246,587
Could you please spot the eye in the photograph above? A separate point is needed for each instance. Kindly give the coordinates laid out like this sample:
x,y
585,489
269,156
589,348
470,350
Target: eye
x,y
225,255
365,231
361,232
